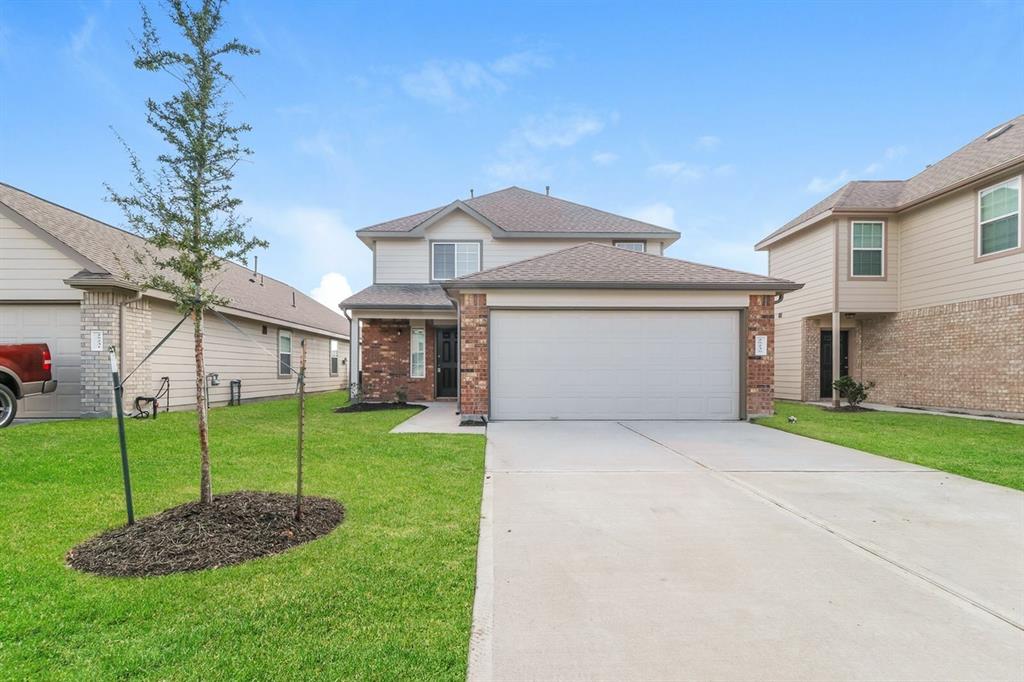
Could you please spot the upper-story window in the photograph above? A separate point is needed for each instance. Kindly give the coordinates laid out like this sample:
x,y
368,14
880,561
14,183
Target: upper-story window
x,y
454,259
867,256
999,218
631,246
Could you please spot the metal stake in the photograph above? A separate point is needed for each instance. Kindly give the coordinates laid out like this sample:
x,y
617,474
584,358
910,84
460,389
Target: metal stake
x,y
119,405
302,435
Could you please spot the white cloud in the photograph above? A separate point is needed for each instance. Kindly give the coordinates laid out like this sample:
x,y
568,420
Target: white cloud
x,y
819,185
556,130
520,169
81,40
320,145
521,63
708,142
725,170
604,158
451,83
333,289
895,152
658,213
679,170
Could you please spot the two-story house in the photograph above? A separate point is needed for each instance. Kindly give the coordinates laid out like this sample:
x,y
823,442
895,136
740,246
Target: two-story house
x,y
521,305
923,279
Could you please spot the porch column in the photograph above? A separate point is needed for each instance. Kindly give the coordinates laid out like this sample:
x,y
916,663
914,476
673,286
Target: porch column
x,y
836,348
353,356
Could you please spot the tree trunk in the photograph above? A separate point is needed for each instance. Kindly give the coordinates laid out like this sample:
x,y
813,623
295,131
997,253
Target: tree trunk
x,y
205,488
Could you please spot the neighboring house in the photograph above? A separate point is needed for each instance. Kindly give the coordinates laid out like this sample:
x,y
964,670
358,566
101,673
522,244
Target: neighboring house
x,y
923,278
62,281
525,306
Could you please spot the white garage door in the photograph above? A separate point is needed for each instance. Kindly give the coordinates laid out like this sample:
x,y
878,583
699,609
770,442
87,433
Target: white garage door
x,y
57,325
619,364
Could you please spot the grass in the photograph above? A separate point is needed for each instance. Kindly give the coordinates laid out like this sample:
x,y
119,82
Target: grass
x,y
984,450
387,595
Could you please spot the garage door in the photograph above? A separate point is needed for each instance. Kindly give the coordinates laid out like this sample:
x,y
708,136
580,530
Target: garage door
x,y
621,364
58,326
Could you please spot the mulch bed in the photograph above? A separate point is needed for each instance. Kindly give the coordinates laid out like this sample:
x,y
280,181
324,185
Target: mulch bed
x,y
849,408
235,528
374,407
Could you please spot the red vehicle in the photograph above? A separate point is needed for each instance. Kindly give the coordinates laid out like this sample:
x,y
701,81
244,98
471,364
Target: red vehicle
x,y
25,369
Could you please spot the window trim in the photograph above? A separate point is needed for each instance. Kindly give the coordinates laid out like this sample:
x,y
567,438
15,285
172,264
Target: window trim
x,y
978,255
412,334
641,242
282,331
333,357
884,250
479,254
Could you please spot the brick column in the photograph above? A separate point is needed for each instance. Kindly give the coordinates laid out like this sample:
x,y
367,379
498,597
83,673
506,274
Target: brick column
x,y
101,310
761,369
385,350
475,371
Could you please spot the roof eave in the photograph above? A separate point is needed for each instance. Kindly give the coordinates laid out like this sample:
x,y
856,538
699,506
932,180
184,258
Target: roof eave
x,y
392,306
691,286
671,236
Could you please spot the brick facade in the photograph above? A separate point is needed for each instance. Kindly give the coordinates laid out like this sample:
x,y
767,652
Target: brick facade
x,y
810,388
385,351
967,355
473,340
102,310
760,389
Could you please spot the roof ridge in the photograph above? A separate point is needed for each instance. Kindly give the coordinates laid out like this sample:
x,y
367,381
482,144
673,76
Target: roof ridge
x,y
680,260
591,208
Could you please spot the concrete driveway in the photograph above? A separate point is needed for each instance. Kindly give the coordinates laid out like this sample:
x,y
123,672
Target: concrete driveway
x,y
729,551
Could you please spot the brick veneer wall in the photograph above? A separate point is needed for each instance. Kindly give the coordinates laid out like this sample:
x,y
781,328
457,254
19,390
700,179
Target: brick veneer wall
x,y
811,358
385,350
761,370
967,355
473,334
101,310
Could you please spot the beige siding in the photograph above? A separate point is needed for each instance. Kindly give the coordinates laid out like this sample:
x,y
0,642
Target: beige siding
x,y
401,261
938,265
870,295
233,356
805,259
30,268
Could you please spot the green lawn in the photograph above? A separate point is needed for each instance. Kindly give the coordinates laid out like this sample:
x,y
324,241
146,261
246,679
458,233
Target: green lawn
x,y
985,450
387,595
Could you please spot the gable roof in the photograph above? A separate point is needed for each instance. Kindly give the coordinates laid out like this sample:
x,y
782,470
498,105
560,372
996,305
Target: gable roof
x,y
592,265
519,212
985,154
399,296
111,251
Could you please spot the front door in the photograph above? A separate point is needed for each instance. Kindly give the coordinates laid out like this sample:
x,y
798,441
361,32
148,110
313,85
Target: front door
x,y
826,359
447,362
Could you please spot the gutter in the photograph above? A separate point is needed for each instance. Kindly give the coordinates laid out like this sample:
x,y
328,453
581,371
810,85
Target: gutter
x,y
676,286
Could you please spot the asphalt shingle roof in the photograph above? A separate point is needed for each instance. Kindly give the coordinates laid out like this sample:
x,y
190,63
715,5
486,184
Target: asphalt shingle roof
x,y
601,265
399,296
114,250
519,210
973,159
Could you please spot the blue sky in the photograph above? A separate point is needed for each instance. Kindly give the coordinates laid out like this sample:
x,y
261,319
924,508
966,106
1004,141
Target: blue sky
x,y
721,120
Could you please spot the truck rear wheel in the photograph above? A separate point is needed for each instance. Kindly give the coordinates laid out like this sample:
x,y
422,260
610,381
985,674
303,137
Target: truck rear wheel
x,y
8,406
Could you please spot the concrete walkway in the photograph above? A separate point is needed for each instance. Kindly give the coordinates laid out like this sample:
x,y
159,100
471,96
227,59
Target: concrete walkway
x,y
439,417
729,551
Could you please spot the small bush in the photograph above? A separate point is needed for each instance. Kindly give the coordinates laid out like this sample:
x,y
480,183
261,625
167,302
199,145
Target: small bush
x,y
854,391
402,395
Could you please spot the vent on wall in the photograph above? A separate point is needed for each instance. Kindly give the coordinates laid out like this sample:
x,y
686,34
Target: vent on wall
x,y
264,330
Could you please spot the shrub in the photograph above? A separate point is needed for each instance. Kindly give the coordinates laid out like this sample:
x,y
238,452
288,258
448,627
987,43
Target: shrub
x,y
854,391
401,395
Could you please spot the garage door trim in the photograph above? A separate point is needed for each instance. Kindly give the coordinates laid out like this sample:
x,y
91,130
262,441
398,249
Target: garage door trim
x,y
741,358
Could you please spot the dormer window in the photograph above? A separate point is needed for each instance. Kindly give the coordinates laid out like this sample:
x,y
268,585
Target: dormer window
x,y
637,246
453,259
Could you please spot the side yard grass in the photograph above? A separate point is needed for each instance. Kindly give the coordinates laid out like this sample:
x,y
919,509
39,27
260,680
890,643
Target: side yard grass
x,y
984,450
387,595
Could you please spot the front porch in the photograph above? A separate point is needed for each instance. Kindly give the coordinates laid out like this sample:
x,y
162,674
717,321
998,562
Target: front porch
x,y
407,358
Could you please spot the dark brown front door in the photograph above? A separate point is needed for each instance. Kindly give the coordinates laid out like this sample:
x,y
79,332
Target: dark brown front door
x,y
447,362
826,359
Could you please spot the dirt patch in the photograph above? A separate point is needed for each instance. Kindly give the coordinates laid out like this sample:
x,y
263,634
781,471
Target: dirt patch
x,y
374,407
235,528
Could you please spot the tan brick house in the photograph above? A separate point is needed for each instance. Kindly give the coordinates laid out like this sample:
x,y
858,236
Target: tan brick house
x,y
66,280
923,279
519,305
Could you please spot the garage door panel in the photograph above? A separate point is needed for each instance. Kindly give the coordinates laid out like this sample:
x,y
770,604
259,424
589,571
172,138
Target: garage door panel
x,y
58,326
627,364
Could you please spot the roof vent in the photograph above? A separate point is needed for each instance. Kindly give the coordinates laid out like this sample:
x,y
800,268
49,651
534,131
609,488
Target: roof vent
x,y
470,192
998,131
293,299
547,190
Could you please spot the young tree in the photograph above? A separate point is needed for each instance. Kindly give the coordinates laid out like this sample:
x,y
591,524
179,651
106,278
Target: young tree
x,y
184,208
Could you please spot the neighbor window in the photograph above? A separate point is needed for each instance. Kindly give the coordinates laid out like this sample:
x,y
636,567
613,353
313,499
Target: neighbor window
x,y
454,259
284,352
418,353
631,246
999,218
334,357
867,259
